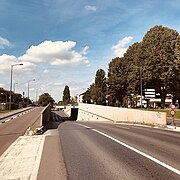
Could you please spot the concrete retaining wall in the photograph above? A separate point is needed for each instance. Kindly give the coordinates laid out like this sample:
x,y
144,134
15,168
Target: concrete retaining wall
x,y
90,112
71,112
68,110
46,115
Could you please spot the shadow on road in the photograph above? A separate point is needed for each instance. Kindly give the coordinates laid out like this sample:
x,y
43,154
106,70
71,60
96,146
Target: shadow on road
x,y
57,117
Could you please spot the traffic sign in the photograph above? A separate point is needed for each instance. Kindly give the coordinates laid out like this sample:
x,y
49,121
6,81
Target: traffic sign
x,y
173,106
172,112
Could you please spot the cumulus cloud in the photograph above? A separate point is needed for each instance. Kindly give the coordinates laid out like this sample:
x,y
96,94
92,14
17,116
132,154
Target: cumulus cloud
x,y
58,84
90,8
56,53
7,60
85,50
4,43
46,71
120,48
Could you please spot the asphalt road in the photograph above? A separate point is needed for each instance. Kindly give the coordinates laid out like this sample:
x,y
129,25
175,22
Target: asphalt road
x,y
11,130
115,151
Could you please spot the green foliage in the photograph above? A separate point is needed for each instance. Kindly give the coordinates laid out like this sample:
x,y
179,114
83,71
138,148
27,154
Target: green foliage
x,y
45,99
155,61
66,95
160,59
99,89
4,95
97,92
117,81
133,68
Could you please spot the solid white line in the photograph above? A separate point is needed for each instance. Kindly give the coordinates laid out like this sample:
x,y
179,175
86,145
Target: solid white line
x,y
137,151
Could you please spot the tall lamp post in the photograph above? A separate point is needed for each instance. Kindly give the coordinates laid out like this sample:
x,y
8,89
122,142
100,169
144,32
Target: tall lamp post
x,y
141,85
28,89
37,94
11,77
14,91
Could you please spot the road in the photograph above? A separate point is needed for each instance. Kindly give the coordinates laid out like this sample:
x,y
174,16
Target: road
x,y
114,151
11,130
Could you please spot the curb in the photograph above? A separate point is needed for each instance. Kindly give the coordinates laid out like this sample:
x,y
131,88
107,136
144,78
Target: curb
x,y
175,128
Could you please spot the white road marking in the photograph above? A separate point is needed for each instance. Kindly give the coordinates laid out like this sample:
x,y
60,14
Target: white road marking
x,y
136,150
13,117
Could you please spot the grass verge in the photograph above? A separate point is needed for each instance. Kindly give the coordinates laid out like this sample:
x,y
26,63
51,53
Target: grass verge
x,y
167,111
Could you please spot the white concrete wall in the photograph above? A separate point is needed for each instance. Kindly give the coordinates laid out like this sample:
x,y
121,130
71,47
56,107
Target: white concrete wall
x,y
90,112
68,110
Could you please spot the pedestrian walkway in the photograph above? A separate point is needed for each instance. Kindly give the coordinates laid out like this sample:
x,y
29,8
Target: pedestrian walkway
x,y
34,157
21,160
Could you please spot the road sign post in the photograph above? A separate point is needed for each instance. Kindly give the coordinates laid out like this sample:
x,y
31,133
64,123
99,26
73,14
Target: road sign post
x,y
173,112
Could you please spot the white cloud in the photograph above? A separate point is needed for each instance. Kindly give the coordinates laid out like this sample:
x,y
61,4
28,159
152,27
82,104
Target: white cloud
x,y
4,43
120,48
56,53
1,85
26,68
58,84
85,50
90,8
46,71
7,60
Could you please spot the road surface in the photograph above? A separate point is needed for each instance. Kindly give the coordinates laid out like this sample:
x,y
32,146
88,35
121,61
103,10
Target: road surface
x,y
114,151
12,129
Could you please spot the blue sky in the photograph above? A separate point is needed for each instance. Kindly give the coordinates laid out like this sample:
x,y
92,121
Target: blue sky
x,y
64,42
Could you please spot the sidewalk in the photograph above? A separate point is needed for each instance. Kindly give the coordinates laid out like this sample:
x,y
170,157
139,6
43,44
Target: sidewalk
x,y
34,157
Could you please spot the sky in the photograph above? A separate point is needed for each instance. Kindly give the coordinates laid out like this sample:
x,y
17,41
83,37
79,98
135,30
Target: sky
x,y
64,42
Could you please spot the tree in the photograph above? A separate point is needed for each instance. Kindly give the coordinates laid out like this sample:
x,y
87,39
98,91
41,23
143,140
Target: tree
x,y
117,81
99,88
4,95
159,58
87,96
96,93
45,99
133,67
66,95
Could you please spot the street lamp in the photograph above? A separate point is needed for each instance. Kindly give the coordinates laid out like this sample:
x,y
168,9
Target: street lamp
x,y
11,77
37,93
141,85
14,91
28,89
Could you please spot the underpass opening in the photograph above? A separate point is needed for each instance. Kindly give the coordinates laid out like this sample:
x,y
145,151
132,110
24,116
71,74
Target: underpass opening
x,y
74,114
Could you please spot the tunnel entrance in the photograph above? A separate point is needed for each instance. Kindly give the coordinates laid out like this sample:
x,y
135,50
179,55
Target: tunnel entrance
x,y
74,114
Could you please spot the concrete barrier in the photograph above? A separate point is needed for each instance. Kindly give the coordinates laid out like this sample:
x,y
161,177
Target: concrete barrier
x,y
13,112
46,115
90,112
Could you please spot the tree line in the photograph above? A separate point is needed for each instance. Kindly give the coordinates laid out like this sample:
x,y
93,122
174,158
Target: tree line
x,y
17,100
154,62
